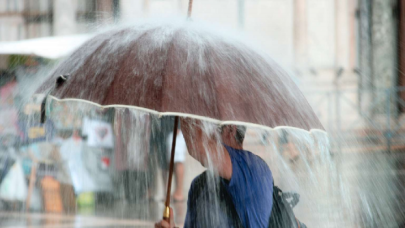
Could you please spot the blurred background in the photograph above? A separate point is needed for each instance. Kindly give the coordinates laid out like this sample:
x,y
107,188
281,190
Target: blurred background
x,y
347,56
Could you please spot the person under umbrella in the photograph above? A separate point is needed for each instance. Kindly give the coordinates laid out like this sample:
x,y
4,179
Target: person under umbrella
x,y
245,178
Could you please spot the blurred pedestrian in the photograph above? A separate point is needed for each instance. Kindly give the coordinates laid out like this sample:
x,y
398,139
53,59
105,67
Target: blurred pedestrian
x,y
158,159
132,130
179,158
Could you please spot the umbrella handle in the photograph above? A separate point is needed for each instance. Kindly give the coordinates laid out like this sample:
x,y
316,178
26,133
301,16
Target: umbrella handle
x,y
166,213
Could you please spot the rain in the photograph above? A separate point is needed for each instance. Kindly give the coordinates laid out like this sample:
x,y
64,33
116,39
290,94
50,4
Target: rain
x,y
94,94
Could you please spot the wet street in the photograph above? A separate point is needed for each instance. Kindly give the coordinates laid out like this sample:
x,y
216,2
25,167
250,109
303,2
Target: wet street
x,y
64,221
367,191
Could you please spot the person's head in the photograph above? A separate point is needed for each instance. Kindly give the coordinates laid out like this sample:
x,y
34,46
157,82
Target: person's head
x,y
233,135
202,140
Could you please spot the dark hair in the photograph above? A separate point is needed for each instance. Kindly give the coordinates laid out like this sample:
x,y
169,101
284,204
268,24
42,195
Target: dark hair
x,y
240,133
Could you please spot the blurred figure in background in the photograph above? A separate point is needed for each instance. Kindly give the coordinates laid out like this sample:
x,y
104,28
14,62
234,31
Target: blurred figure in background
x,y
132,130
179,158
158,159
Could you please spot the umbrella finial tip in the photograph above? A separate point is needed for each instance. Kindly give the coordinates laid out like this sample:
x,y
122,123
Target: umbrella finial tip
x,y
61,79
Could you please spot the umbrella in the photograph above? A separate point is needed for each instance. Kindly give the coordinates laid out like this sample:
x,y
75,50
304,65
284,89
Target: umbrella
x,y
183,69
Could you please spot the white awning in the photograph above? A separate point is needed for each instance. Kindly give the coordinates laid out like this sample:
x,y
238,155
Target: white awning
x,y
47,47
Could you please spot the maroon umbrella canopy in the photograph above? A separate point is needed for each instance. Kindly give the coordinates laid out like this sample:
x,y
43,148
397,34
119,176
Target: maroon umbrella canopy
x,y
183,68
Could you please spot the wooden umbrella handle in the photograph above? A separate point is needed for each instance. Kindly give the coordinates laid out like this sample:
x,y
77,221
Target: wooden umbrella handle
x,y
166,213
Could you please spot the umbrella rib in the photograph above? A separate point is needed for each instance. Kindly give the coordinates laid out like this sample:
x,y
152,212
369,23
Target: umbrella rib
x,y
214,84
122,63
164,71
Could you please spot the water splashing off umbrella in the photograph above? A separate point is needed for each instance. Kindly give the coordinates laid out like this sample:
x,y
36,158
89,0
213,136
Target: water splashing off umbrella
x,y
183,70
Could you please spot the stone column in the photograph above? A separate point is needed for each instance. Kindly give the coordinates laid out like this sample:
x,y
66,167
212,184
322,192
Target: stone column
x,y
378,54
365,73
353,33
241,14
384,52
64,17
300,34
146,7
401,52
384,40
342,34
130,9
104,10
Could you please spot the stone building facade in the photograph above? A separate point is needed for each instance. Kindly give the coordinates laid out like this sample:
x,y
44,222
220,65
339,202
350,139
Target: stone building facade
x,y
307,35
